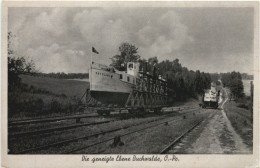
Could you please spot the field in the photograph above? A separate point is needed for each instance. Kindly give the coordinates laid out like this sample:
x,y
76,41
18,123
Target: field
x,y
70,88
41,96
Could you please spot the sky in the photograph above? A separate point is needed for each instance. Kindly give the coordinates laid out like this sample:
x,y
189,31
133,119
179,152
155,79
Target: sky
x,y
205,39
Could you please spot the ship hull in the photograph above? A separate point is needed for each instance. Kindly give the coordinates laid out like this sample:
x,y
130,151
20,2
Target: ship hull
x,y
125,89
107,88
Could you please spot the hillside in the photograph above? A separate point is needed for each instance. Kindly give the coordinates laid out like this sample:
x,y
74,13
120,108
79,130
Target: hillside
x,y
70,88
43,96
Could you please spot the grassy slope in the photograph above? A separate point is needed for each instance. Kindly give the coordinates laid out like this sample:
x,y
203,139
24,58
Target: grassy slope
x,y
240,119
58,86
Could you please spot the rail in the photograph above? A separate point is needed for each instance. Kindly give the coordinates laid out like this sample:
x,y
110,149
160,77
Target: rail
x,y
89,136
168,147
21,134
139,130
30,121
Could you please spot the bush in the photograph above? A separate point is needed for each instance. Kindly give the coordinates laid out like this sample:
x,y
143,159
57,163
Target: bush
x,y
39,104
69,107
55,106
13,105
26,107
30,106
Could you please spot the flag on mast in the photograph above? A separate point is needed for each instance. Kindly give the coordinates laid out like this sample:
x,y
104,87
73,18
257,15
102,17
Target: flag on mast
x,y
94,50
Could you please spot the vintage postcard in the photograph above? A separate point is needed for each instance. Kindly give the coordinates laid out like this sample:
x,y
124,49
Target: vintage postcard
x,y
130,84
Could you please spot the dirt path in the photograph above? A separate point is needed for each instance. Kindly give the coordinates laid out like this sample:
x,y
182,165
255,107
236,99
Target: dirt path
x,y
218,137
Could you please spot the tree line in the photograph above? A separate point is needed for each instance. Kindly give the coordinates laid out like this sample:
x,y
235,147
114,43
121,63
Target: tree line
x,y
217,76
234,82
182,82
62,75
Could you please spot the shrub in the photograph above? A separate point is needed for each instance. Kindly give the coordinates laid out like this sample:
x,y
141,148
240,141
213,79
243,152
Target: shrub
x,y
69,107
13,105
55,106
39,104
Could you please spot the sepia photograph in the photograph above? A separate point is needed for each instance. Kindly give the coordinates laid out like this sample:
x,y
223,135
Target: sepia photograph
x,y
145,81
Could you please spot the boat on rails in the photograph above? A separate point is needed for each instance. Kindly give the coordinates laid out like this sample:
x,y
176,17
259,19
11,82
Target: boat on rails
x,y
131,89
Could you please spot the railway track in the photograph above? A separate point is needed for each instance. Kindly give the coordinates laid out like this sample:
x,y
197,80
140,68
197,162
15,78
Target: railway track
x,y
129,133
50,130
49,119
171,145
77,117
96,134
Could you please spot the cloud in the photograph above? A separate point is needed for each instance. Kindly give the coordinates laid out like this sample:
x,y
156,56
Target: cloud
x,y
164,36
101,29
60,39
57,38
53,23
57,58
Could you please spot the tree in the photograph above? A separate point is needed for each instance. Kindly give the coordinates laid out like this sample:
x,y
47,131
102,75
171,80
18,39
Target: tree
x,y
128,53
16,66
214,77
153,61
251,90
164,67
143,64
233,80
237,88
183,83
10,36
236,75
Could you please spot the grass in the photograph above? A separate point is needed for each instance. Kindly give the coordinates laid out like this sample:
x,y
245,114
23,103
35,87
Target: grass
x,y
42,96
70,88
241,120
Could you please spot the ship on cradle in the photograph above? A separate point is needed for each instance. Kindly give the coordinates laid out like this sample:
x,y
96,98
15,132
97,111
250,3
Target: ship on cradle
x,y
130,89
